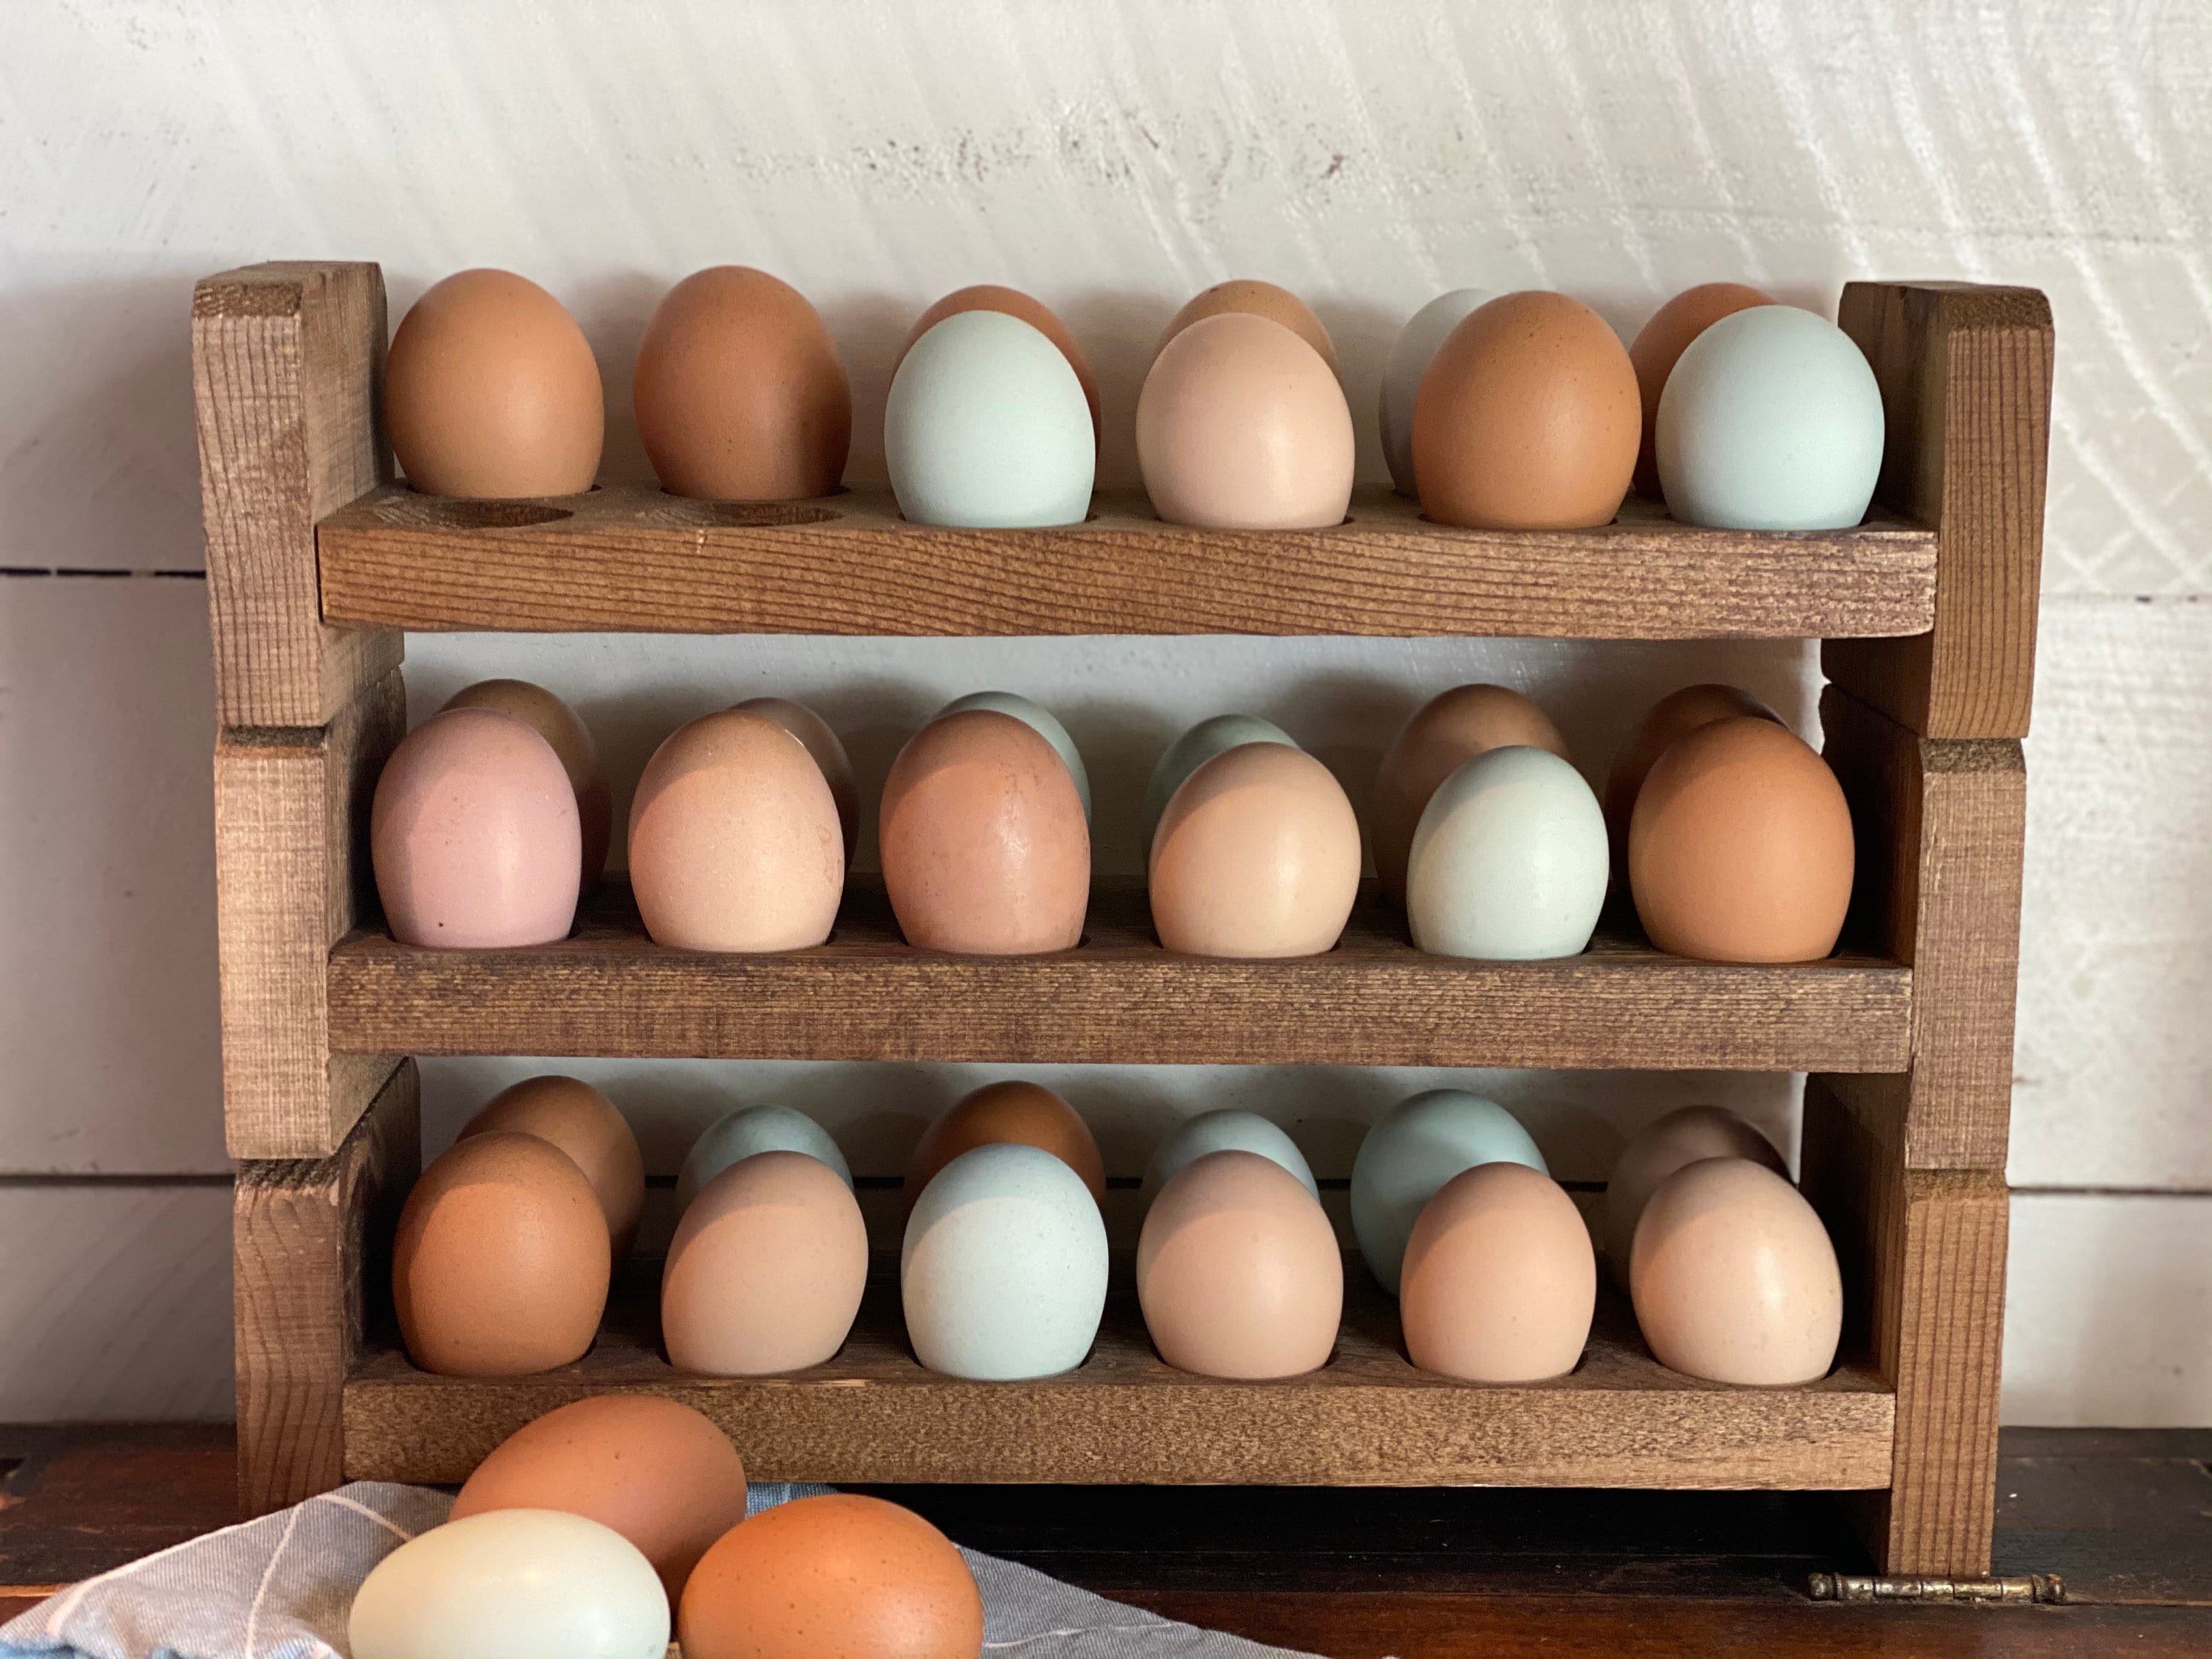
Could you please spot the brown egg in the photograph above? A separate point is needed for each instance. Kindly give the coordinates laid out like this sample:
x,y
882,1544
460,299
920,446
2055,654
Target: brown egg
x,y
1662,340
989,296
1499,1281
474,836
1241,426
1739,847
1685,1135
585,1124
1674,716
653,1469
491,390
985,847
829,752
502,1261
842,1575
740,393
766,1269
1444,733
1238,1272
1734,1277
1256,855
1026,1114
735,839
1255,298
1526,418
559,724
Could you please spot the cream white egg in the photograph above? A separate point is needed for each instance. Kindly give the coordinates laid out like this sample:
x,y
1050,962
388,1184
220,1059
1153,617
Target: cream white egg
x,y
1417,343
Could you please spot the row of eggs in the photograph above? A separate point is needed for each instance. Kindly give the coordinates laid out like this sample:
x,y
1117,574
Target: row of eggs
x,y
1731,833
1519,411
506,1246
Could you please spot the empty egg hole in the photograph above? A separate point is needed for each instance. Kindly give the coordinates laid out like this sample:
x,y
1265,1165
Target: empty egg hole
x,y
451,513
684,510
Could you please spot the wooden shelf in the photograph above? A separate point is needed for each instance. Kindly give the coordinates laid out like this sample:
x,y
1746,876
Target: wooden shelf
x,y
1117,998
631,557
1368,1417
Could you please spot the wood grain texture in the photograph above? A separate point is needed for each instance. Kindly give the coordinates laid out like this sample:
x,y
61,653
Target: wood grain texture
x,y
1965,379
1118,998
288,372
627,556
311,1248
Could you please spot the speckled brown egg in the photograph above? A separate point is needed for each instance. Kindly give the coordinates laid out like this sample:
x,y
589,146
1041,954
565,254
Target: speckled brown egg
x,y
986,850
1253,298
500,1265
1256,855
989,296
560,725
1739,847
1526,418
1685,1135
1673,717
587,1125
740,392
1500,1280
1027,1113
1662,340
1444,733
491,390
829,752
654,1470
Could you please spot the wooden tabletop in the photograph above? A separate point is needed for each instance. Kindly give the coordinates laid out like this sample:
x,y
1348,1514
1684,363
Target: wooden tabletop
x,y
2124,1517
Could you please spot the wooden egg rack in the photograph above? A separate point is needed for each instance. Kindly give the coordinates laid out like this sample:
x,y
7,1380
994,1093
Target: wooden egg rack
x,y
317,564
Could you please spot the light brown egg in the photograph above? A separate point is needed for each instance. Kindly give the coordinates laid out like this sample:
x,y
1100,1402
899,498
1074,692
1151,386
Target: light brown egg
x,y
1739,848
989,296
1252,298
1662,340
1241,426
501,1264
1734,1278
1674,716
1499,1281
1238,1272
1685,1135
1256,855
1444,733
474,836
1026,1114
740,393
841,1574
491,390
654,1470
735,839
985,847
585,1124
560,725
829,752
1526,418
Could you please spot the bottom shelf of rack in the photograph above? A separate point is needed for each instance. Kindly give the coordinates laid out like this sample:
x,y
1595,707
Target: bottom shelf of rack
x,y
1368,1417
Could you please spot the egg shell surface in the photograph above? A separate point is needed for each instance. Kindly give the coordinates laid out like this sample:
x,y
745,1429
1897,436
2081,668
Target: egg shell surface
x,y
1425,331
1196,746
1225,1131
750,1129
1014,1111
1038,719
588,1127
990,296
560,725
1659,344
1685,1135
1673,717
1509,861
1247,296
1500,1282
1418,1145
1440,737
828,749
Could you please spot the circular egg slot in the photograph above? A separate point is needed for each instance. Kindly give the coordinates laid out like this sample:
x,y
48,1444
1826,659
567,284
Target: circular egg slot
x,y
451,513
683,510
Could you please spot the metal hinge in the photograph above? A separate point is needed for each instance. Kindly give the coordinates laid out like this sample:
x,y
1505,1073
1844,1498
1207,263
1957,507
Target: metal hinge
x,y
2045,1589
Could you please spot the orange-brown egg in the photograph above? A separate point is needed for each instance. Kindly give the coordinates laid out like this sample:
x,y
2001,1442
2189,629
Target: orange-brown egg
x,y
560,725
841,1574
1674,716
740,392
1500,1280
1663,339
491,390
1446,731
1685,1135
501,1264
989,296
587,1125
1027,1113
1526,418
1739,847
654,1470
829,752
1256,855
1253,298
985,847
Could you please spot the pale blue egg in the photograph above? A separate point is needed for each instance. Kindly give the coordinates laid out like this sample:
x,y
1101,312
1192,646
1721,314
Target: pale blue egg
x,y
1225,1131
1508,861
1194,749
1040,719
1420,1145
1402,375
751,1129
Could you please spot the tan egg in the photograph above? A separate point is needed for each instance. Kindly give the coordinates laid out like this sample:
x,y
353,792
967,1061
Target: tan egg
x,y
1734,1278
1256,855
1241,426
734,841
560,725
1674,716
474,836
1526,418
654,1470
1255,298
1026,1114
585,1124
829,752
500,1265
1739,848
1499,1281
989,296
1662,340
1685,1135
1444,733
985,847
1238,1272
491,390
740,393
765,1273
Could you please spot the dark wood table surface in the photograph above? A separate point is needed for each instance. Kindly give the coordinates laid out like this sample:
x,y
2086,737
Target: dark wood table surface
x,y
2124,1517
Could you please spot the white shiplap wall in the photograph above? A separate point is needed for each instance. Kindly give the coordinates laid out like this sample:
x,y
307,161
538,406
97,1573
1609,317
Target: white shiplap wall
x,y
1110,158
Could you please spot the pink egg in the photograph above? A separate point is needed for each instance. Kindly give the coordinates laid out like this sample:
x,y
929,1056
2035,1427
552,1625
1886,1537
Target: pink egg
x,y
1500,1280
1257,855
